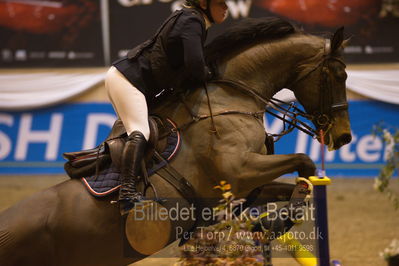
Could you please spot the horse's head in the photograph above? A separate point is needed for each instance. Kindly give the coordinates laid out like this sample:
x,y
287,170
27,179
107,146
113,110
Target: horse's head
x,y
268,54
320,88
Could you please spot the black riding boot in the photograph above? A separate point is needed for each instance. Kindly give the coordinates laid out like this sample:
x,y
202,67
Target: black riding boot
x,y
132,155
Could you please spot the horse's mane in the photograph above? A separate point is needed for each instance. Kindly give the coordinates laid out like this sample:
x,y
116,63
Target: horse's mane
x,y
245,32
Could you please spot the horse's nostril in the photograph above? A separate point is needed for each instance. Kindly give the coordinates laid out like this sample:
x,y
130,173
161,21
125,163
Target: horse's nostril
x,y
345,138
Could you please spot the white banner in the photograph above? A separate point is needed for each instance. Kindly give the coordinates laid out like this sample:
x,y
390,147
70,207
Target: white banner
x,y
35,90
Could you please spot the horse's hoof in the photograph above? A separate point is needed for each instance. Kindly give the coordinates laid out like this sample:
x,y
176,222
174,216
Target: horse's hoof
x,y
302,191
147,231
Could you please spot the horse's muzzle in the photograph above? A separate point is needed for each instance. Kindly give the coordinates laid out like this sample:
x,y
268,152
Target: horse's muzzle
x,y
343,139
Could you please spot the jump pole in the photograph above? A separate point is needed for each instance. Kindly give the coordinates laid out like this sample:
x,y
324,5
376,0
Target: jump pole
x,y
320,183
321,217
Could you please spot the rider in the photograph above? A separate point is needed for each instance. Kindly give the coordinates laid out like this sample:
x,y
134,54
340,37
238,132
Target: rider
x,y
173,58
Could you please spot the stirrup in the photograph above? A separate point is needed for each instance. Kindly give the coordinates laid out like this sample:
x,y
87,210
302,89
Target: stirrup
x,y
127,204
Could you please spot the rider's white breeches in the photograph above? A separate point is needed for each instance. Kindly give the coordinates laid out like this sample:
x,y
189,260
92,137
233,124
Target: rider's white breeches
x,y
128,102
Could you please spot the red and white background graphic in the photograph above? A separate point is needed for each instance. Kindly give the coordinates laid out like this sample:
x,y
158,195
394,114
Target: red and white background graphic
x,y
371,24
96,32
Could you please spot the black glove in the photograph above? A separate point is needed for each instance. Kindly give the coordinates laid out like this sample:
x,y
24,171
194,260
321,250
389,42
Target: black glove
x,y
208,73
211,72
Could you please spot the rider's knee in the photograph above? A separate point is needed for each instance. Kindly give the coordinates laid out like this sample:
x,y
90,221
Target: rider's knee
x,y
110,79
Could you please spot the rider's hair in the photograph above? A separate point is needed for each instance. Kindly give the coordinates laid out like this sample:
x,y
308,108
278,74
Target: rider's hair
x,y
196,4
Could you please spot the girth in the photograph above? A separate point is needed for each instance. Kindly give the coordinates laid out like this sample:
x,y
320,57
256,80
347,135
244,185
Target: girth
x,y
183,186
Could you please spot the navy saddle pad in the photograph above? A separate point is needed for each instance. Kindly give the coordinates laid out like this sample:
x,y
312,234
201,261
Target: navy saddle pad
x,y
108,180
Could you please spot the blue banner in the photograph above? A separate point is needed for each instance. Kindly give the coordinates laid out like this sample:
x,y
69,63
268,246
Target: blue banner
x,y
32,142
363,157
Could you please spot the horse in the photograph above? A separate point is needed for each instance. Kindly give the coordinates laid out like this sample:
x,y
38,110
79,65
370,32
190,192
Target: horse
x,y
223,138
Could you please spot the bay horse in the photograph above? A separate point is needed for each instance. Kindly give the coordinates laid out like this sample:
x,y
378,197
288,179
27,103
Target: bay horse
x,y
65,225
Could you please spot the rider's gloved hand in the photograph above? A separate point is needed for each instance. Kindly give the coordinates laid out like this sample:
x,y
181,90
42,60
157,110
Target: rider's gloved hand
x,y
211,70
209,75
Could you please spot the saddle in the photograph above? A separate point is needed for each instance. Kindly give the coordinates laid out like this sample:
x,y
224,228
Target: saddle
x,y
88,162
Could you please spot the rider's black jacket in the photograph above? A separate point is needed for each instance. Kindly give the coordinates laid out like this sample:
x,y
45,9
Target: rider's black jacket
x,y
173,58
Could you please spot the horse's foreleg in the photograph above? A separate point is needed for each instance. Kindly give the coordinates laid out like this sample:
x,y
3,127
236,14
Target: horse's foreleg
x,y
248,171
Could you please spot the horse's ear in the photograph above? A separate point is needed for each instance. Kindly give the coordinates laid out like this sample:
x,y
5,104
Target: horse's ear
x,y
337,39
345,43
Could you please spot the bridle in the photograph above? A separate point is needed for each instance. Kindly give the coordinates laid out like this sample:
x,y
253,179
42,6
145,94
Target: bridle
x,y
327,104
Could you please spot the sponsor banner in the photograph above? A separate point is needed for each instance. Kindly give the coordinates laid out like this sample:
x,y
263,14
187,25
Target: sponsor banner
x,y
133,22
127,18
63,33
370,23
33,142
38,33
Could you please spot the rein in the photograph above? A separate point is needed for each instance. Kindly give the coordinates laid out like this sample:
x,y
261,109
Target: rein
x,y
213,127
290,115
274,103
196,118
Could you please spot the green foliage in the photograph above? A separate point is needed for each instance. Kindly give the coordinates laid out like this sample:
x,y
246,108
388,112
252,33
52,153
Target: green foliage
x,y
390,137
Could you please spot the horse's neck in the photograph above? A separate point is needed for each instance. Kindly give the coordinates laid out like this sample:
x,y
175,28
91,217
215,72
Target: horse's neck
x,y
265,68
195,102
268,67
251,68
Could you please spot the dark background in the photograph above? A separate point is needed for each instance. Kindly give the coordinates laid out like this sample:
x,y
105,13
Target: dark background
x,y
374,39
